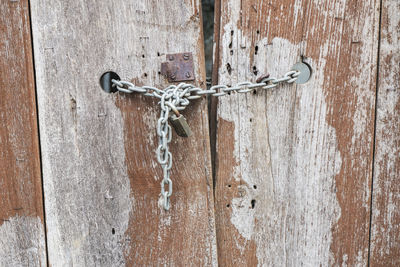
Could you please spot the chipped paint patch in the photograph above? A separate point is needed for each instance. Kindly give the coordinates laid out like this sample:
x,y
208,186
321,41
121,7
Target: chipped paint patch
x,y
278,160
242,215
22,242
305,173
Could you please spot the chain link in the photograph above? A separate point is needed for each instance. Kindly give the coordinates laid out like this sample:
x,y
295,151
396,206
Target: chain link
x,y
176,98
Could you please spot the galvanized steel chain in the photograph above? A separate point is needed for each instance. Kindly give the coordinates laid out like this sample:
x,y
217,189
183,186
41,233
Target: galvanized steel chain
x,y
216,90
176,98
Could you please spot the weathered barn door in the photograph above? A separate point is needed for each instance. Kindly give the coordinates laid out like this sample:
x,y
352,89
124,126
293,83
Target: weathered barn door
x,y
304,174
101,178
294,164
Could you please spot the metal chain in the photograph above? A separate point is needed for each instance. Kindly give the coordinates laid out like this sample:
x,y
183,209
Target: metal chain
x,y
176,98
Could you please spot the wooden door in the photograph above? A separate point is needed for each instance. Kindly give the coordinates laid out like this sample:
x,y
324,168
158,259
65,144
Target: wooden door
x,y
101,178
295,164
301,174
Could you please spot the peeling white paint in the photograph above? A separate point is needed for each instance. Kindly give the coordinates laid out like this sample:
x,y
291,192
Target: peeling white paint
x,y
22,242
385,228
344,260
242,215
295,180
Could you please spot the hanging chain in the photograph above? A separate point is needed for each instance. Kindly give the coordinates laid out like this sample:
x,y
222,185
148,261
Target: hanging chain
x,y
176,98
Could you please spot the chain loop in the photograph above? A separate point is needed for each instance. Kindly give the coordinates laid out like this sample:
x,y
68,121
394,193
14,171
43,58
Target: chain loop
x,y
176,98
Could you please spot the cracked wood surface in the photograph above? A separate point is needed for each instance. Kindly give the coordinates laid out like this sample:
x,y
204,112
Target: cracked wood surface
x,y
101,177
294,164
22,239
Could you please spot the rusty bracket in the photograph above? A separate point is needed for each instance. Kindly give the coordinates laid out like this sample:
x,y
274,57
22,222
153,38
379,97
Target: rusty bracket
x,y
178,68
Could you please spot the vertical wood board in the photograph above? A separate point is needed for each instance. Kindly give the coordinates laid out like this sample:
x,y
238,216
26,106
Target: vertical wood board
x,y
294,163
22,238
101,176
385,226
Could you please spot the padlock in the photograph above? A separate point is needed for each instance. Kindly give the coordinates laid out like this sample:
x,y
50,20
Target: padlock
x,y
180,125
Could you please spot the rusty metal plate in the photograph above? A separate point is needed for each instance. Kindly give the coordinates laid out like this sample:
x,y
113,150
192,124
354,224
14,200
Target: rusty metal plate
x,y
178,67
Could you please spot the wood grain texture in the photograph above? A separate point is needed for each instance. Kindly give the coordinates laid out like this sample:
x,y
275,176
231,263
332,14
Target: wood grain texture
x,y
101,177
22,240
294,164
385,228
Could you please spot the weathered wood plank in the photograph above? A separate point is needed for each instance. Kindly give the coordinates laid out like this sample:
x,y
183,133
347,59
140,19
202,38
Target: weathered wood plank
x,y
294,163
22,238
101,177
385,228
